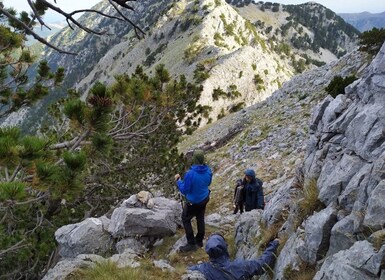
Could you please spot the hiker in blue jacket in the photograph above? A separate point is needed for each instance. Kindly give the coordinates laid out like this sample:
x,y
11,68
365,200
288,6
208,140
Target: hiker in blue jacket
x,y
253,191
195,187
220,266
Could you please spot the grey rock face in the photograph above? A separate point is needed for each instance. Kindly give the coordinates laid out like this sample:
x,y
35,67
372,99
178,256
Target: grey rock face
x,y
246,231
66,267
86,237
360,262
162,220
280,203
289,257
343,234
193,275
375,217
125,259
317,234
346,154
135,245
164,265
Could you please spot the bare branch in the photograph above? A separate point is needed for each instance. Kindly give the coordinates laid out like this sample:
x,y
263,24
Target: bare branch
x,y
31,32
69,18
28,201
136,28
95,11
14,247
6,174
15,172
123,4
66,144
36,14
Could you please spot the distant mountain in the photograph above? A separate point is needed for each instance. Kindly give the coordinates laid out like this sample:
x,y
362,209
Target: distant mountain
x,y
44,32
365,21
246,51
312,30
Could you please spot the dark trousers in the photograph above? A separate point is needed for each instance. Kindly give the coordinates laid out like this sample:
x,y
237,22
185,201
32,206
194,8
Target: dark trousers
x,y
198,211
238,207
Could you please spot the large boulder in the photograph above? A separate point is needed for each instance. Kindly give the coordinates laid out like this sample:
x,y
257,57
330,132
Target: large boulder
x,y
246,231
374,217
64,268
317,234
360,262
162,220
87,237
280,203
289,258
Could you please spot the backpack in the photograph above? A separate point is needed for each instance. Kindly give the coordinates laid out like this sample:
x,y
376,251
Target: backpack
x,y
238,197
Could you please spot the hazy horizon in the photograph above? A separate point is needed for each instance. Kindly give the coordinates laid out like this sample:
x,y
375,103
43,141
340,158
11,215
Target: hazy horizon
x,y
338,6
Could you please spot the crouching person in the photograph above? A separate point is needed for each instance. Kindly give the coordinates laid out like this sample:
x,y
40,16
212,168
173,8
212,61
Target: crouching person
x,y
221,267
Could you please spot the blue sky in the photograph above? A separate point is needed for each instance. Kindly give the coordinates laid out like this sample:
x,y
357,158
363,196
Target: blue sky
x,y
338,6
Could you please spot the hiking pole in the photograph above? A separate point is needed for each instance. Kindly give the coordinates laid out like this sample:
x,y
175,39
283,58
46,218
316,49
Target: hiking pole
x,y
180,196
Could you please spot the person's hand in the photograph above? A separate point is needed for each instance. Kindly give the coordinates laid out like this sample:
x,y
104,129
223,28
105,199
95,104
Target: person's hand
x,y
277,240
234,206
177,177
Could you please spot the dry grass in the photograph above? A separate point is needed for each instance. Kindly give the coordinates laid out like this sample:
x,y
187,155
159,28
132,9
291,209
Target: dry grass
x,y
378,239
309,203
109,271
305,272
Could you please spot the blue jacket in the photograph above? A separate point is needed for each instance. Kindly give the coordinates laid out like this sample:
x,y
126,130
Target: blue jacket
x,y
253,191
195,185
216,248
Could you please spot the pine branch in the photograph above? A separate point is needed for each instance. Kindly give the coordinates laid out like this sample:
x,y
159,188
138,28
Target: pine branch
x,y
137,29
36,14
31,32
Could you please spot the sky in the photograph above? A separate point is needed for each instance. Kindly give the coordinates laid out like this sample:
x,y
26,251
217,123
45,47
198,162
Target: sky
x,y
338,6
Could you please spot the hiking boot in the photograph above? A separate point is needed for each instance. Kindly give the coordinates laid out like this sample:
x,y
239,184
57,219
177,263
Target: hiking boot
x,y
199,243
188,248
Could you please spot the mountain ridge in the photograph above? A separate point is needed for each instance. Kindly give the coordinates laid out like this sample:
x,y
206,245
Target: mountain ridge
x,y
365,21
254,82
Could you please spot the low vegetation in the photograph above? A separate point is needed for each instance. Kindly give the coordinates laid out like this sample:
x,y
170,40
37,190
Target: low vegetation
x,y
309,202
372,40
338,84
304,272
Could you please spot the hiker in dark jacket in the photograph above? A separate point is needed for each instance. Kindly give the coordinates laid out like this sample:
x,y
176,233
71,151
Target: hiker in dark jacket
x,y
254,198
239,197
220,266
195,187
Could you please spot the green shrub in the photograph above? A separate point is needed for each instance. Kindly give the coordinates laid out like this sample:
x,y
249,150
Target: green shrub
x,y
201,73
192,51
338,84
372,40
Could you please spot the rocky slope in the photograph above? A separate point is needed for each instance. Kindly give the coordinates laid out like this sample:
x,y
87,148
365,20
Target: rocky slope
x,y
312,31
323,173
240,54
230,47
210,34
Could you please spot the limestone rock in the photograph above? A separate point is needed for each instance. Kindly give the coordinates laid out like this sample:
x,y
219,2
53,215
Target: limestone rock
x,y
86,237
360,262
66,267
162,220
317,234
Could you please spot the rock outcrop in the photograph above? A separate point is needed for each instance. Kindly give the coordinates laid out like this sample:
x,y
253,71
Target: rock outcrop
x,y
346,157
134,227
162,220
